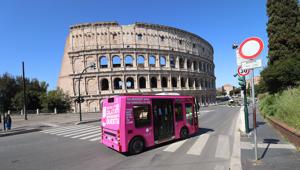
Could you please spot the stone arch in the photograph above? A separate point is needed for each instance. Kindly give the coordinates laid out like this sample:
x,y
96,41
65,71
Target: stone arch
x,y
103,62
142,82
196,83
195,65
174,82
141,61
93,106
118,83
190,82
128,61
183,82
172,61
181,62
164,82
152,61
116,60
189,64
153,82
162,61
130,83
104,84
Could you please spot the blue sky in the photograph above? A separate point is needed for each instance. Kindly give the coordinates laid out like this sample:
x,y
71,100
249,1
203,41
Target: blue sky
x,y
35,31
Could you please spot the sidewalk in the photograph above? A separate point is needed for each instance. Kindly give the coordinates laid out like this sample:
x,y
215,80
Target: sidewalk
x,y
274,152
42,121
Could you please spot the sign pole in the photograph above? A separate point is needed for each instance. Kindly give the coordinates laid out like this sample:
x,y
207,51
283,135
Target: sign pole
x,y
254,114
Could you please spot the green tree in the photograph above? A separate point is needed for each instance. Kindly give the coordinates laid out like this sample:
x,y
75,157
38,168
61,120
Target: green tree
x,y
57,99
284,46
283,29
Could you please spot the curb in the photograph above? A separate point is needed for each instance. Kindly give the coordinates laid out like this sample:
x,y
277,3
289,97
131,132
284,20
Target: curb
x,y
11,133
87,121
290,133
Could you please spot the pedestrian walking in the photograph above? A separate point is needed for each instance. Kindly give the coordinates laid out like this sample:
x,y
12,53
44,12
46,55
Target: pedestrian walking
x,y
4,122
8,122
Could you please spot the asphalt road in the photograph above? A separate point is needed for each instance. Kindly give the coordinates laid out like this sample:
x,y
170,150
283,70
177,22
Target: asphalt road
x,y
211,148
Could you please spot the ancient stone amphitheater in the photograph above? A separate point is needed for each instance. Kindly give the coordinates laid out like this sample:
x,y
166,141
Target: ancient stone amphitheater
x,y
139,58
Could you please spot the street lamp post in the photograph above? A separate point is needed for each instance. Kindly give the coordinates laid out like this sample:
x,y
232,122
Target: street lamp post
x,y
79,100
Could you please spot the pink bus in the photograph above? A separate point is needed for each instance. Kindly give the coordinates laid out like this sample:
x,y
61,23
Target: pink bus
x,y
131,123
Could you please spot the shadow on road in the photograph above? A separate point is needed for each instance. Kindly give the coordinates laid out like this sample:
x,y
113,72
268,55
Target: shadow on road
x,y
269,142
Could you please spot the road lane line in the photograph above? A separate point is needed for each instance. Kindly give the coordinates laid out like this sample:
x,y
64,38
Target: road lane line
x,y
198,146
81,132
85,134
95,139
174,146
91,136
235,160
223,147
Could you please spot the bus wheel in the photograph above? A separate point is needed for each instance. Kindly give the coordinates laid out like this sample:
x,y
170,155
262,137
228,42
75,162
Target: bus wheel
x,y
136,146
184,133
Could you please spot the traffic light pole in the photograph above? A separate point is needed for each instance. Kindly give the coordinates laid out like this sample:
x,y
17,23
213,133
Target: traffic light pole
x,y
246,107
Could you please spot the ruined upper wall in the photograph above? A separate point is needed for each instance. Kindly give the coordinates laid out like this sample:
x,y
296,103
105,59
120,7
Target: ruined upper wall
x,y
110,35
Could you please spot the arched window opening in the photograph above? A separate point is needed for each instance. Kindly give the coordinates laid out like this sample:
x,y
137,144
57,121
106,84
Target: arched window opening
x,y
104,84
189,64
142,82
153,82
118,83
116,61
164,82
196,83
200,64
128,61
103,62
152,61
139,36
174,82
190,83
141,61
130,83
162,61
181,63
172,62
182,82
195,65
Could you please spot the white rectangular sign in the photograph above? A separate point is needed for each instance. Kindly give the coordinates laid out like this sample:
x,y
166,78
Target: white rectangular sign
x,y
250,64
239,59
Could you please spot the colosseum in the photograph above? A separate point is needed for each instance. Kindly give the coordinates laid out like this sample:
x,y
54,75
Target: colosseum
x,y
138,59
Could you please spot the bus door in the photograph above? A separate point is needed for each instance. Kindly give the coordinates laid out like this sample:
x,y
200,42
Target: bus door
x,y
163,119
189,116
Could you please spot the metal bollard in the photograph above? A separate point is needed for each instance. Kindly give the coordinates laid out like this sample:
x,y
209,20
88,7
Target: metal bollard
x,y
37,111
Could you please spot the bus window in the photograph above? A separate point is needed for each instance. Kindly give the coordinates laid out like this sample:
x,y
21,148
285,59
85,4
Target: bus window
x,y
178,112
142,115
189,113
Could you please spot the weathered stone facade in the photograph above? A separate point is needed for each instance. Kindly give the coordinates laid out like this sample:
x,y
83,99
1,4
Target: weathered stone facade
x,y
149,58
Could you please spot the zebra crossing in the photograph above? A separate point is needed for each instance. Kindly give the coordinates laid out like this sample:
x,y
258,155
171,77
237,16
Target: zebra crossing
x,y
81,132
199,144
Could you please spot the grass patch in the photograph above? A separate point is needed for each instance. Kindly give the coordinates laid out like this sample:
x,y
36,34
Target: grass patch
x,y
285,106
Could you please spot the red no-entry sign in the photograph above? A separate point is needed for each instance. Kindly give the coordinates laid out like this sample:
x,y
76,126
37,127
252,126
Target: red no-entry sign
x,y
242,72
251,48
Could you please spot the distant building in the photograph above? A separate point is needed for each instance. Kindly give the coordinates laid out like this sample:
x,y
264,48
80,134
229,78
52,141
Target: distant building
x,y
256,81
135,59
228,88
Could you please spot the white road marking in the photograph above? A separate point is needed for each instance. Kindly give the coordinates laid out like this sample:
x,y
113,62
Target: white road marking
x,y
64,129
198,146
223,150
85,134
91,136
248,145
235,160
81,132
95,139
76,130
174,146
